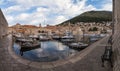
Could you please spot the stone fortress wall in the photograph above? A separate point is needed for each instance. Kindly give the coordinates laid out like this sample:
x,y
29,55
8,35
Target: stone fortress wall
x,y
3,25
116,35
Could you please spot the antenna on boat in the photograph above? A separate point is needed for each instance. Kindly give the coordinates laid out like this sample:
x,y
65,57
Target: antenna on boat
x,y
43,32
69,34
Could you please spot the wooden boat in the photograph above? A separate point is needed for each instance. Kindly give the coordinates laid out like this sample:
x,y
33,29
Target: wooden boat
x,y
29,45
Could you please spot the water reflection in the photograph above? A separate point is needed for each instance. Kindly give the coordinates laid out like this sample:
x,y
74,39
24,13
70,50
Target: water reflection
x,y
48,51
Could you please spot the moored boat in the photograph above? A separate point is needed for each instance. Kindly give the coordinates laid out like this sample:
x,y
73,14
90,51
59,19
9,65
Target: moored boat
x,y
29,45
78,45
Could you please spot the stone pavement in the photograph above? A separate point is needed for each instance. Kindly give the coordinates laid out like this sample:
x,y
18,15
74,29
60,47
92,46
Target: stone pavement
x,y
89,61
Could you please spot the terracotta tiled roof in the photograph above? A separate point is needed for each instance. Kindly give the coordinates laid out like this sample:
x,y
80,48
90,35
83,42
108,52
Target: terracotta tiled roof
x,y
29,26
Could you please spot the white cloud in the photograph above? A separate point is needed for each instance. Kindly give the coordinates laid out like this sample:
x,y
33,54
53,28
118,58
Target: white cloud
x,y
31,3
33,18
51,11
10,19
107,5
14,9
59,19
23,16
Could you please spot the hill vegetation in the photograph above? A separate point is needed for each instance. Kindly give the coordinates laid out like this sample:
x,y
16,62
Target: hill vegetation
x,y
91,16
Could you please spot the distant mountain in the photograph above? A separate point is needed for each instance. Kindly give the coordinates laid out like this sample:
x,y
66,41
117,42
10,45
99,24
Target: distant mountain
x,y
91,16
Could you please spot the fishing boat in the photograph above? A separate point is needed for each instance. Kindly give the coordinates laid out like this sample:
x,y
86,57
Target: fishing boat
x,y
29,45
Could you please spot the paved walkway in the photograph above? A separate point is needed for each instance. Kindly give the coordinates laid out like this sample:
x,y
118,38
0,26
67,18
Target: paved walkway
x,y
90,62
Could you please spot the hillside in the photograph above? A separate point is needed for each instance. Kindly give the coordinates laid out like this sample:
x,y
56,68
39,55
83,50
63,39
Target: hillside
x,y
91,16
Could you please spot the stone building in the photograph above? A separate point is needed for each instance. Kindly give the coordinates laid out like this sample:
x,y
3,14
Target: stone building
x,y
24,29
3,25
104,26
19,29
10,30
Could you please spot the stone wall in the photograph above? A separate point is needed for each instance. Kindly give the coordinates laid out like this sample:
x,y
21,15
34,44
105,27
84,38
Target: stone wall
x,y
3,25
116,36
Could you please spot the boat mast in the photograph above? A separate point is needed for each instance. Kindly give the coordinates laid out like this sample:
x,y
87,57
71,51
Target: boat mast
x,y
69,29
59,34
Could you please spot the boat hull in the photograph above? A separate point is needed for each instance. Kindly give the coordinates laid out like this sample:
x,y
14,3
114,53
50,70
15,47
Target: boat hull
x,y
30,47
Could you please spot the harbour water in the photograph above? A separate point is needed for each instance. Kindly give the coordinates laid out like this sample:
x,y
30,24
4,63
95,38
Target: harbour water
x,y
51,50
47,52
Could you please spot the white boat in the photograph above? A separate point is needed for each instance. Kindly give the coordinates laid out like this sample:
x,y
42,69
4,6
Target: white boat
x,y
33,36
67,37
43,37
78,45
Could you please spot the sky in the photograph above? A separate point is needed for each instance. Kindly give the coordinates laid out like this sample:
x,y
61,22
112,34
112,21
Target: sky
x,y
52,12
